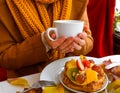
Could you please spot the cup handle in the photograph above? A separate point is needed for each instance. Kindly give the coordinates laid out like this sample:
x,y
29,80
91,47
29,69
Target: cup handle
x,y
48,33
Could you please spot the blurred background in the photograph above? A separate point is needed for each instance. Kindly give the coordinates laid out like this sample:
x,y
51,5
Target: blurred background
x,y
104,18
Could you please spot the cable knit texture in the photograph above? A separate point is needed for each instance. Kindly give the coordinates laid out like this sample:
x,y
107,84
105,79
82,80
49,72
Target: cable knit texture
x,y
31,22
22,51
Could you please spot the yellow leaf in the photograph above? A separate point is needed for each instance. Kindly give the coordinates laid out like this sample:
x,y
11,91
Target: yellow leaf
x,y
54,89
49,89
117,90
114,85
19,82
60,88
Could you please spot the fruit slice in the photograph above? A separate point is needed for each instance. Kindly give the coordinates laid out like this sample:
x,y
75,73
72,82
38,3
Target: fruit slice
x,y
70,73
80,65
71,64
82,57
80,78
90,76
86,63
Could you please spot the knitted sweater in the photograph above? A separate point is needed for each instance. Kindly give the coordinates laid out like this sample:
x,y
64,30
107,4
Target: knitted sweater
x,y
26,56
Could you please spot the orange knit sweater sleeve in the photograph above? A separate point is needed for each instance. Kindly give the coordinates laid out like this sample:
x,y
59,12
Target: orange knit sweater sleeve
x,y
14,55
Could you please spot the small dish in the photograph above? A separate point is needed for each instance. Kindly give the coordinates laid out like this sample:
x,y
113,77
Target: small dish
x,y
61,74
114,64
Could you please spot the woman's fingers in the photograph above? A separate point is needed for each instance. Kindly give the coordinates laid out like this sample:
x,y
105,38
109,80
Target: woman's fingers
x,y
79,41
67,49
85,28
66,43
56,43
77,46
82,35
52,34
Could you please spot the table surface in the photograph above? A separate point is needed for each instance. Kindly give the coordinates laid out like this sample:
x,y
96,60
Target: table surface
x,y
5,87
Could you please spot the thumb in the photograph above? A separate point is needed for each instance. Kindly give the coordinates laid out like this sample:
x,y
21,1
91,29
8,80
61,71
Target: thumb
x,y
85,28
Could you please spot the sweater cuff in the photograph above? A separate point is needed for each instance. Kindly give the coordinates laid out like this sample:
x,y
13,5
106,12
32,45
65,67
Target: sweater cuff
x,y
44,42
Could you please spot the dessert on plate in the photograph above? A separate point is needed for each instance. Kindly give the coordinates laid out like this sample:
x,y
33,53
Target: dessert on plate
x,y
83,75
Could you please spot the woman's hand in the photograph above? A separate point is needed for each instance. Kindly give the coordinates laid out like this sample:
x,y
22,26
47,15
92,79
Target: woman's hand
x,y
62,44
66,45
79,40
54,44
72,43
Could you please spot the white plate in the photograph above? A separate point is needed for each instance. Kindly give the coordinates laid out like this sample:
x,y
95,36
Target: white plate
x,y
115,61
114,64
61,74
50,72
113,58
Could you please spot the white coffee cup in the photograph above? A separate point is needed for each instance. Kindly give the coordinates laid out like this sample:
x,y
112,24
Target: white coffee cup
x,y
66,28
